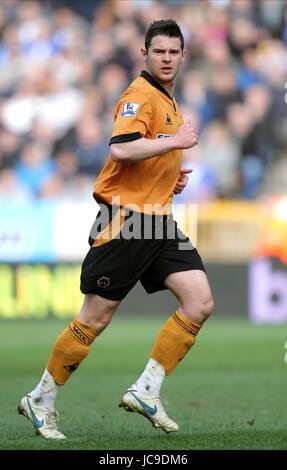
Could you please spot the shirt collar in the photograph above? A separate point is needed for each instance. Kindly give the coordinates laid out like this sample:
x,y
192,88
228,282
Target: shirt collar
x,y
149,78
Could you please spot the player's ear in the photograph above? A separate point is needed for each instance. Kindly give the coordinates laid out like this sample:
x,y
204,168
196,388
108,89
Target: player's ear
x,y
144,53
183,56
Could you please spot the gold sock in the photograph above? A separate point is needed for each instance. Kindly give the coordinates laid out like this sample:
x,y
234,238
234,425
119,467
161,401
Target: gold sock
x,y
70,348
175,339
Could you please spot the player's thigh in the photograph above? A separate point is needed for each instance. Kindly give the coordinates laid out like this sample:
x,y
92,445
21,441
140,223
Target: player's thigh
x,y
190,287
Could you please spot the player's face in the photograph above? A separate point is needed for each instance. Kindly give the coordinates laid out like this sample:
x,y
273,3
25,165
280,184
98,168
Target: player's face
x,y
164,58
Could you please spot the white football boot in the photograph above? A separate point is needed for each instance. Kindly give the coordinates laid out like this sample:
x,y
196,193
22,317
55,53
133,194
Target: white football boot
x,y
150,407
44,420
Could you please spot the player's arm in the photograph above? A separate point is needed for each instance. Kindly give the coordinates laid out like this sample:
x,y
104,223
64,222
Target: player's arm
x,y
142,149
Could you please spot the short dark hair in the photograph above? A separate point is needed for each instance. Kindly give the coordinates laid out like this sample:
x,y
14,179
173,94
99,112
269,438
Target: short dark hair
x,y
166,28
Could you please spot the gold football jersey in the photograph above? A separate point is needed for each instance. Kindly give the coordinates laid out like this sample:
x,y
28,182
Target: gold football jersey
x,y
145,109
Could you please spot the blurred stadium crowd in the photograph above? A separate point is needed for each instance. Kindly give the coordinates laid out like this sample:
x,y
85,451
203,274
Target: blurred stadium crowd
x,y
64,63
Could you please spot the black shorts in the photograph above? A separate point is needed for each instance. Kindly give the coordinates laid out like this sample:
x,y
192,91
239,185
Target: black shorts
x,y
142,248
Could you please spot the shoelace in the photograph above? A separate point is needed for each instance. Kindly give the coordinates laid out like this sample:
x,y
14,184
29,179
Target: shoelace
x,y
51,418
161,401
164,401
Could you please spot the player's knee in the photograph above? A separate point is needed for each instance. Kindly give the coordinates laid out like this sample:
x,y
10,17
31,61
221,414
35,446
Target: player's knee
x,y
199,311
101,324
207,308
204,310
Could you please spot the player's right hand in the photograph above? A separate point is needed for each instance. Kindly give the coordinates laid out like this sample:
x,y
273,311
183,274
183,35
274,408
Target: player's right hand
x,y
186,136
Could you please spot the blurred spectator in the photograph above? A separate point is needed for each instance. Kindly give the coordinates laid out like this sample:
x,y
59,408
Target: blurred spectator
x,y
34,168
64,64
11,188
220,153
89,147
248,74
10,145
251,166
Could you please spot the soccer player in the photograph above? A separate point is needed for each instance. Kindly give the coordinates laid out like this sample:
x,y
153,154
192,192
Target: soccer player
x,y
136,238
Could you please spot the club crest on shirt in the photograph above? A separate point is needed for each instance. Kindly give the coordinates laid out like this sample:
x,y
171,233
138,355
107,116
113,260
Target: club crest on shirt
x,y
130,109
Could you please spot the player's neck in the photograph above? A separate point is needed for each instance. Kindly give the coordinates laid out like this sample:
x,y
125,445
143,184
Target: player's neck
x,y
168,86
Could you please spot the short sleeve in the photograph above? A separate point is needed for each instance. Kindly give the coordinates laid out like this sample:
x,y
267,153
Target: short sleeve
x,y
132,119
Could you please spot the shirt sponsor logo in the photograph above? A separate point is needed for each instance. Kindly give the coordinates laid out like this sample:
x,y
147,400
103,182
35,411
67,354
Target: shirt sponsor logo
x,y
130,109
160,136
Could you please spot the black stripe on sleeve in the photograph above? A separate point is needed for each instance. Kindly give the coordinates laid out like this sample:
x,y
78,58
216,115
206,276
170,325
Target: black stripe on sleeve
x,y
118,139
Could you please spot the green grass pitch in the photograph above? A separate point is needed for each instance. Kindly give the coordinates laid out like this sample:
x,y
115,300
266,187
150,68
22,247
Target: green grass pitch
x,y
230,392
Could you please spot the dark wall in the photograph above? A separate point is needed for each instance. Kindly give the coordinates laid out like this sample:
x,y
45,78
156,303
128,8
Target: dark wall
x,y
228,285
41,290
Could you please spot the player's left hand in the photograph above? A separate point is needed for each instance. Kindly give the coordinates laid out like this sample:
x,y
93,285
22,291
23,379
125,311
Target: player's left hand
x,y
182,180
